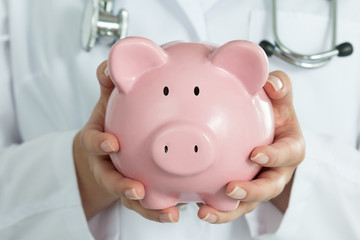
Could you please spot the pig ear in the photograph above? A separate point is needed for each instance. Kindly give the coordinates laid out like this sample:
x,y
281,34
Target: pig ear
x,y
131,57
245,60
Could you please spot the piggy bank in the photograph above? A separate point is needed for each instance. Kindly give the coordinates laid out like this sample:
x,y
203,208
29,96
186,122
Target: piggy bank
x,y
187,116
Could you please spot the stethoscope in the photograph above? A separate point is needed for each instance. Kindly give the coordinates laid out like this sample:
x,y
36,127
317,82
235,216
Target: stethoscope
x,y
100,25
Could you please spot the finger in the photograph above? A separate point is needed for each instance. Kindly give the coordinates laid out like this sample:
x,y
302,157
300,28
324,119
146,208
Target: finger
x,y
269,184
114,182
96,142
287,150
104,79
279,88
211,215
93,138
169,215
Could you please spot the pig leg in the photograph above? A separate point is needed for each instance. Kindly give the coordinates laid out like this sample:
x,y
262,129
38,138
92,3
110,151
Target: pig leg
x,y
221,202
156,200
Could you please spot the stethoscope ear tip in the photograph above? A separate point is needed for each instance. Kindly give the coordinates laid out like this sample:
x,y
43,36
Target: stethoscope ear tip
x,y
268,47
345,49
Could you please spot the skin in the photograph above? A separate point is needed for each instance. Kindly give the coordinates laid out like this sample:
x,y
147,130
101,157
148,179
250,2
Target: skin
x,y
100,184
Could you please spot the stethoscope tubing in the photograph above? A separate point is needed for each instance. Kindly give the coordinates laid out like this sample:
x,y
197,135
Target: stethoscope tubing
x,y
318,56
304,60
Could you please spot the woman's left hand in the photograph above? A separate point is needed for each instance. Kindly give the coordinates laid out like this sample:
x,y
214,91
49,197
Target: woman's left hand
x,y
279,160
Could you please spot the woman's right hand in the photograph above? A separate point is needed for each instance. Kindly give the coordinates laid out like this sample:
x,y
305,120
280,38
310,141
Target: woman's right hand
x,y
100,184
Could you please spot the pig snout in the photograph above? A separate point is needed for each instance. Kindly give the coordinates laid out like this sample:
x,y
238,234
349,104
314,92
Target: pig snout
x,y
183,149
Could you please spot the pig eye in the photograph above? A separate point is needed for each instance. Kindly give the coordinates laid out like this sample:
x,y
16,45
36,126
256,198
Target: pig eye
x,y
196,91
166,91
196,149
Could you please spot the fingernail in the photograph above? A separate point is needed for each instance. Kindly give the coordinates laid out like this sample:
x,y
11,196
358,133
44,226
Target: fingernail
x,y
275,82
131,194
107,147
260,158
210,218
166,218
238,193
106,71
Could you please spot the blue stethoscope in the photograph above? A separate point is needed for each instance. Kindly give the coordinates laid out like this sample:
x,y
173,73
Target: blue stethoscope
x,y
99,25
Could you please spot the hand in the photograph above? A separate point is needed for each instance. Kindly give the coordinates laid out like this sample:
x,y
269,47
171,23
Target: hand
x,y
100,184
279,160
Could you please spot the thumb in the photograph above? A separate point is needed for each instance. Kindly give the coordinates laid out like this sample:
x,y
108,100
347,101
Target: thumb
x,y
278,87
104,79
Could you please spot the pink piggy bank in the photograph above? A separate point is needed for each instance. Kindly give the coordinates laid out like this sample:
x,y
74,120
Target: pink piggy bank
x,y
187,116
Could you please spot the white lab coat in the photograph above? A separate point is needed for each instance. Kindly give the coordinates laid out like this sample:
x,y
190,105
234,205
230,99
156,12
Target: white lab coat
x,y
48,88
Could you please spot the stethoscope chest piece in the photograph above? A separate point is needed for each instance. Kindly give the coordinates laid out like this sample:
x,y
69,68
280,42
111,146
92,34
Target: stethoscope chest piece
x,y
100,25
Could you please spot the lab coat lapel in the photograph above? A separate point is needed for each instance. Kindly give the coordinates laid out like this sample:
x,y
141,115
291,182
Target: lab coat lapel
x,y
194,12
